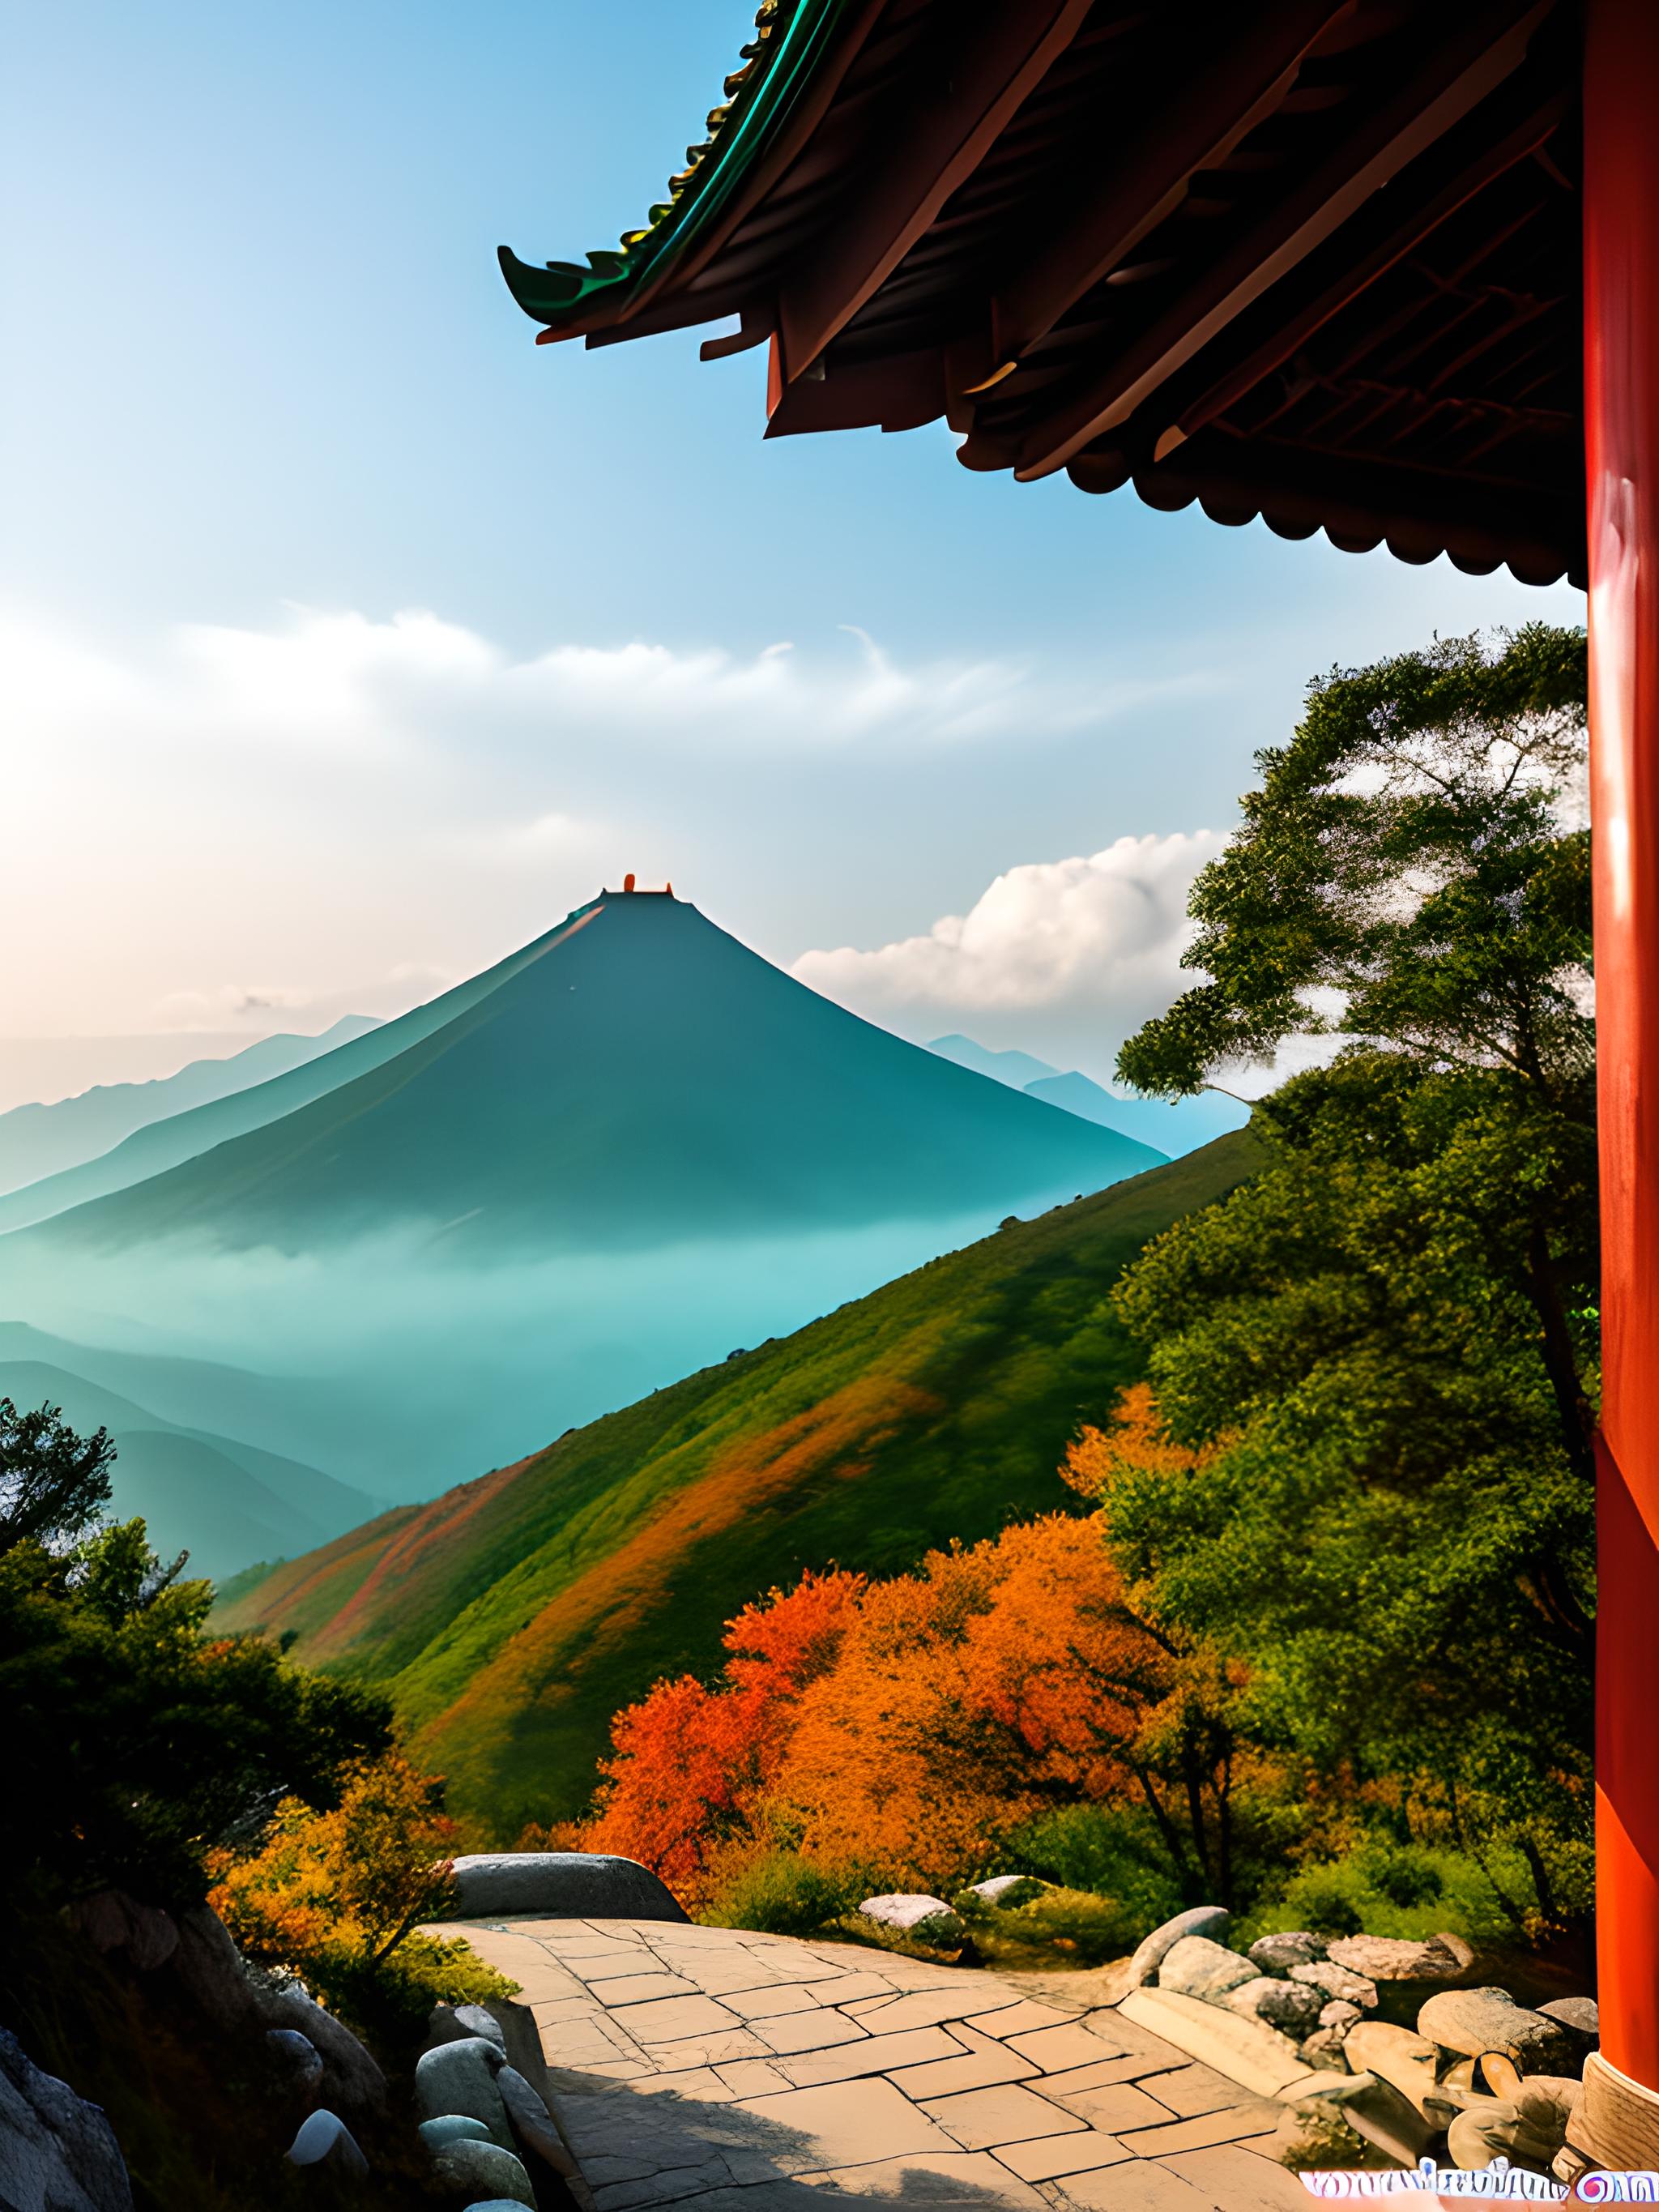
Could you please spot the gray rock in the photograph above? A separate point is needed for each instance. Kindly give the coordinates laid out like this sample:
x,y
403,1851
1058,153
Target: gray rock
x,y
1291,1946
1340,2015
460,2078
475,2170
522,2040
1338,1982
351,2079
1394,1959
560,1885
455,2023
451,2127
1196,1967
211,1971
1475,2022
531,2123
326,2140
1153,1949
57,2153
997,1889
1580,2016
1291,2006
906,1911
296,2061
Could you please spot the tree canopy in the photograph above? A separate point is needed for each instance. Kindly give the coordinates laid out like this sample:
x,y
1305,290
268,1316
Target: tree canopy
x,y
1386,1343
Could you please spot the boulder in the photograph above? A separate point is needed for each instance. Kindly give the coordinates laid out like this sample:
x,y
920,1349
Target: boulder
x,y
296,2062
112,1921
351,2078
559,1886
474,2170
1394,1959
326,2140
1291,1946
1394,2055
908,1910
1153,1949
1578,2015
451,2127
455,2023
1340,2015
211,1971
1337,1982
1289,2005
1473,2021
531,2123
57,2153
1196,1967
460,2078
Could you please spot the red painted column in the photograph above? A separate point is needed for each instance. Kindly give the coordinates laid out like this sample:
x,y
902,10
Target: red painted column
x,y
1621,376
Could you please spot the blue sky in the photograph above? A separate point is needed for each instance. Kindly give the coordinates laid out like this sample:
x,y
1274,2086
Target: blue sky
x,y
264,390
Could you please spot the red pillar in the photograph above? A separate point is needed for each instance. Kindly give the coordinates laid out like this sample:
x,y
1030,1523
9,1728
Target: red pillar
x,y
1621,396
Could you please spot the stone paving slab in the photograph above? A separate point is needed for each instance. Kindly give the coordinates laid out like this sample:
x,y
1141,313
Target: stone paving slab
x,y
726,2071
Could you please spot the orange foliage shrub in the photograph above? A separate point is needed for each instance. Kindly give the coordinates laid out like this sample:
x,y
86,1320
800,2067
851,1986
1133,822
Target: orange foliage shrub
x,y
902,1728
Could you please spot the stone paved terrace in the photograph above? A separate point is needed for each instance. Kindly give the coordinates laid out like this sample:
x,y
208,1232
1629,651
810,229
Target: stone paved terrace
x,y
732,2072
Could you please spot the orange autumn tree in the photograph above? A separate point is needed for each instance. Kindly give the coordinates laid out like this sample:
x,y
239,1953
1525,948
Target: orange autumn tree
x,y
902,1729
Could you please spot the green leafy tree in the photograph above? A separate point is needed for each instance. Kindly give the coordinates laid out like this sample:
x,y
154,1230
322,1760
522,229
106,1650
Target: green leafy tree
x,y
1392,1326
54,1484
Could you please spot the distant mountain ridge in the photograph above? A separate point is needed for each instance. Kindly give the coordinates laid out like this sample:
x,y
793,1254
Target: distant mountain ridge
x,y
635,1077
511,1617
1172,1126
229,1504
40,1140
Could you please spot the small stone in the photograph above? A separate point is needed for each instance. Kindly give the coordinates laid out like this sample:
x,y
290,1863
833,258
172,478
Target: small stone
x,y
1474,2021
482,2169
1580,2016
909,1911
1153,1949
451,2127
1000,1887
1291,1946
1196,1967
1289,2005
460,2078
1393,1959
1338,1982
476,2021
532,2123
296,2061
1340,2015
324,2140
500,2205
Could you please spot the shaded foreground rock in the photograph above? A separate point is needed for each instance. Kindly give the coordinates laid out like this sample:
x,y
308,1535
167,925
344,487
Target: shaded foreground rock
x,y
1289,2005
326,2140
351,2078
57,2153
459,2078
296,2062
475,2170
560,1885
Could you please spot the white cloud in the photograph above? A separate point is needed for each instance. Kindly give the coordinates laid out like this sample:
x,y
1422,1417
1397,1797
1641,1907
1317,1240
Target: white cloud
x,y
236,825
1063,958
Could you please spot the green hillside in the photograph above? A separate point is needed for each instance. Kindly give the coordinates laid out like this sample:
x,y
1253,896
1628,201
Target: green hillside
x,y
512,1616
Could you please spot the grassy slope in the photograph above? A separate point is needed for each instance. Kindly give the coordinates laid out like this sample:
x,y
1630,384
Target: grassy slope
x,y
511,1617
